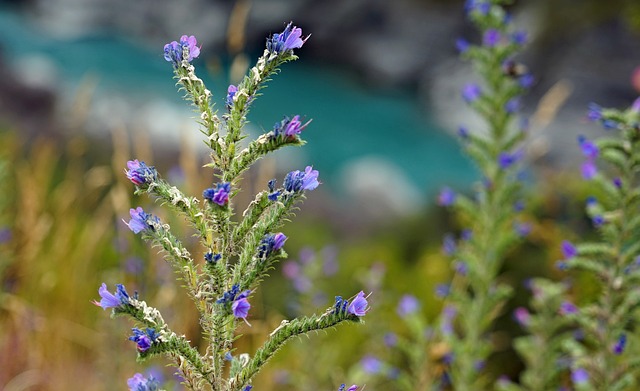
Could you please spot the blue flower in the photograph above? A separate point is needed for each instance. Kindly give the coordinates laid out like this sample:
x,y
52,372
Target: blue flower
x,y
462,45
240,308
447,197
219,194
568,249
144,339
290,127
140,220
390,339
109,300
443,290
519,37
522,316
512,105
231,92
579,376
296,181
506,159
589,149
568,308
139,383
471,92
359,305
589,169
595,112
289,39
174,51
139,173
371,365
449,244
491,37
212,257
407,305
621,343
526,80
271,243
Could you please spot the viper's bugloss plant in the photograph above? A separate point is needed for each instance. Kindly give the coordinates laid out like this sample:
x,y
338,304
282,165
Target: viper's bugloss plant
x,y
237,254
492,226
600,358
541,348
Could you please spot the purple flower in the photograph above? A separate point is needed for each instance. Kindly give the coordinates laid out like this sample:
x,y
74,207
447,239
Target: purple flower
x,y
139,383
139,173
598,220
219,194
144,339
519,37
522,229
447,197
471,92
231,92
240,308
491,37
589,149
589,169
522,316
140,221
289,39
407,305
448,314
449,244
463,132
526,80
371,365
359,305
174,51
461,268
481,6
568,308
512,105
462,45
290,127
390,339
442,290
247,388
296,181
352,388
271,243
595,112
506,159
568,249
621,343
617,182
579,376
109,300
212,257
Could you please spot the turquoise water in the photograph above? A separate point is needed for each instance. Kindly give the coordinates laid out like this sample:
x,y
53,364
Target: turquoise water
x,y
350,121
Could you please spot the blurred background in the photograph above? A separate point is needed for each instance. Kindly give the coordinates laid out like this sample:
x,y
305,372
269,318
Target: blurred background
x,y
84,88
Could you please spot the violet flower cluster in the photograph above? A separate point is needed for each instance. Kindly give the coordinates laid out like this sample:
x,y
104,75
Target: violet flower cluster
x,y
236,253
